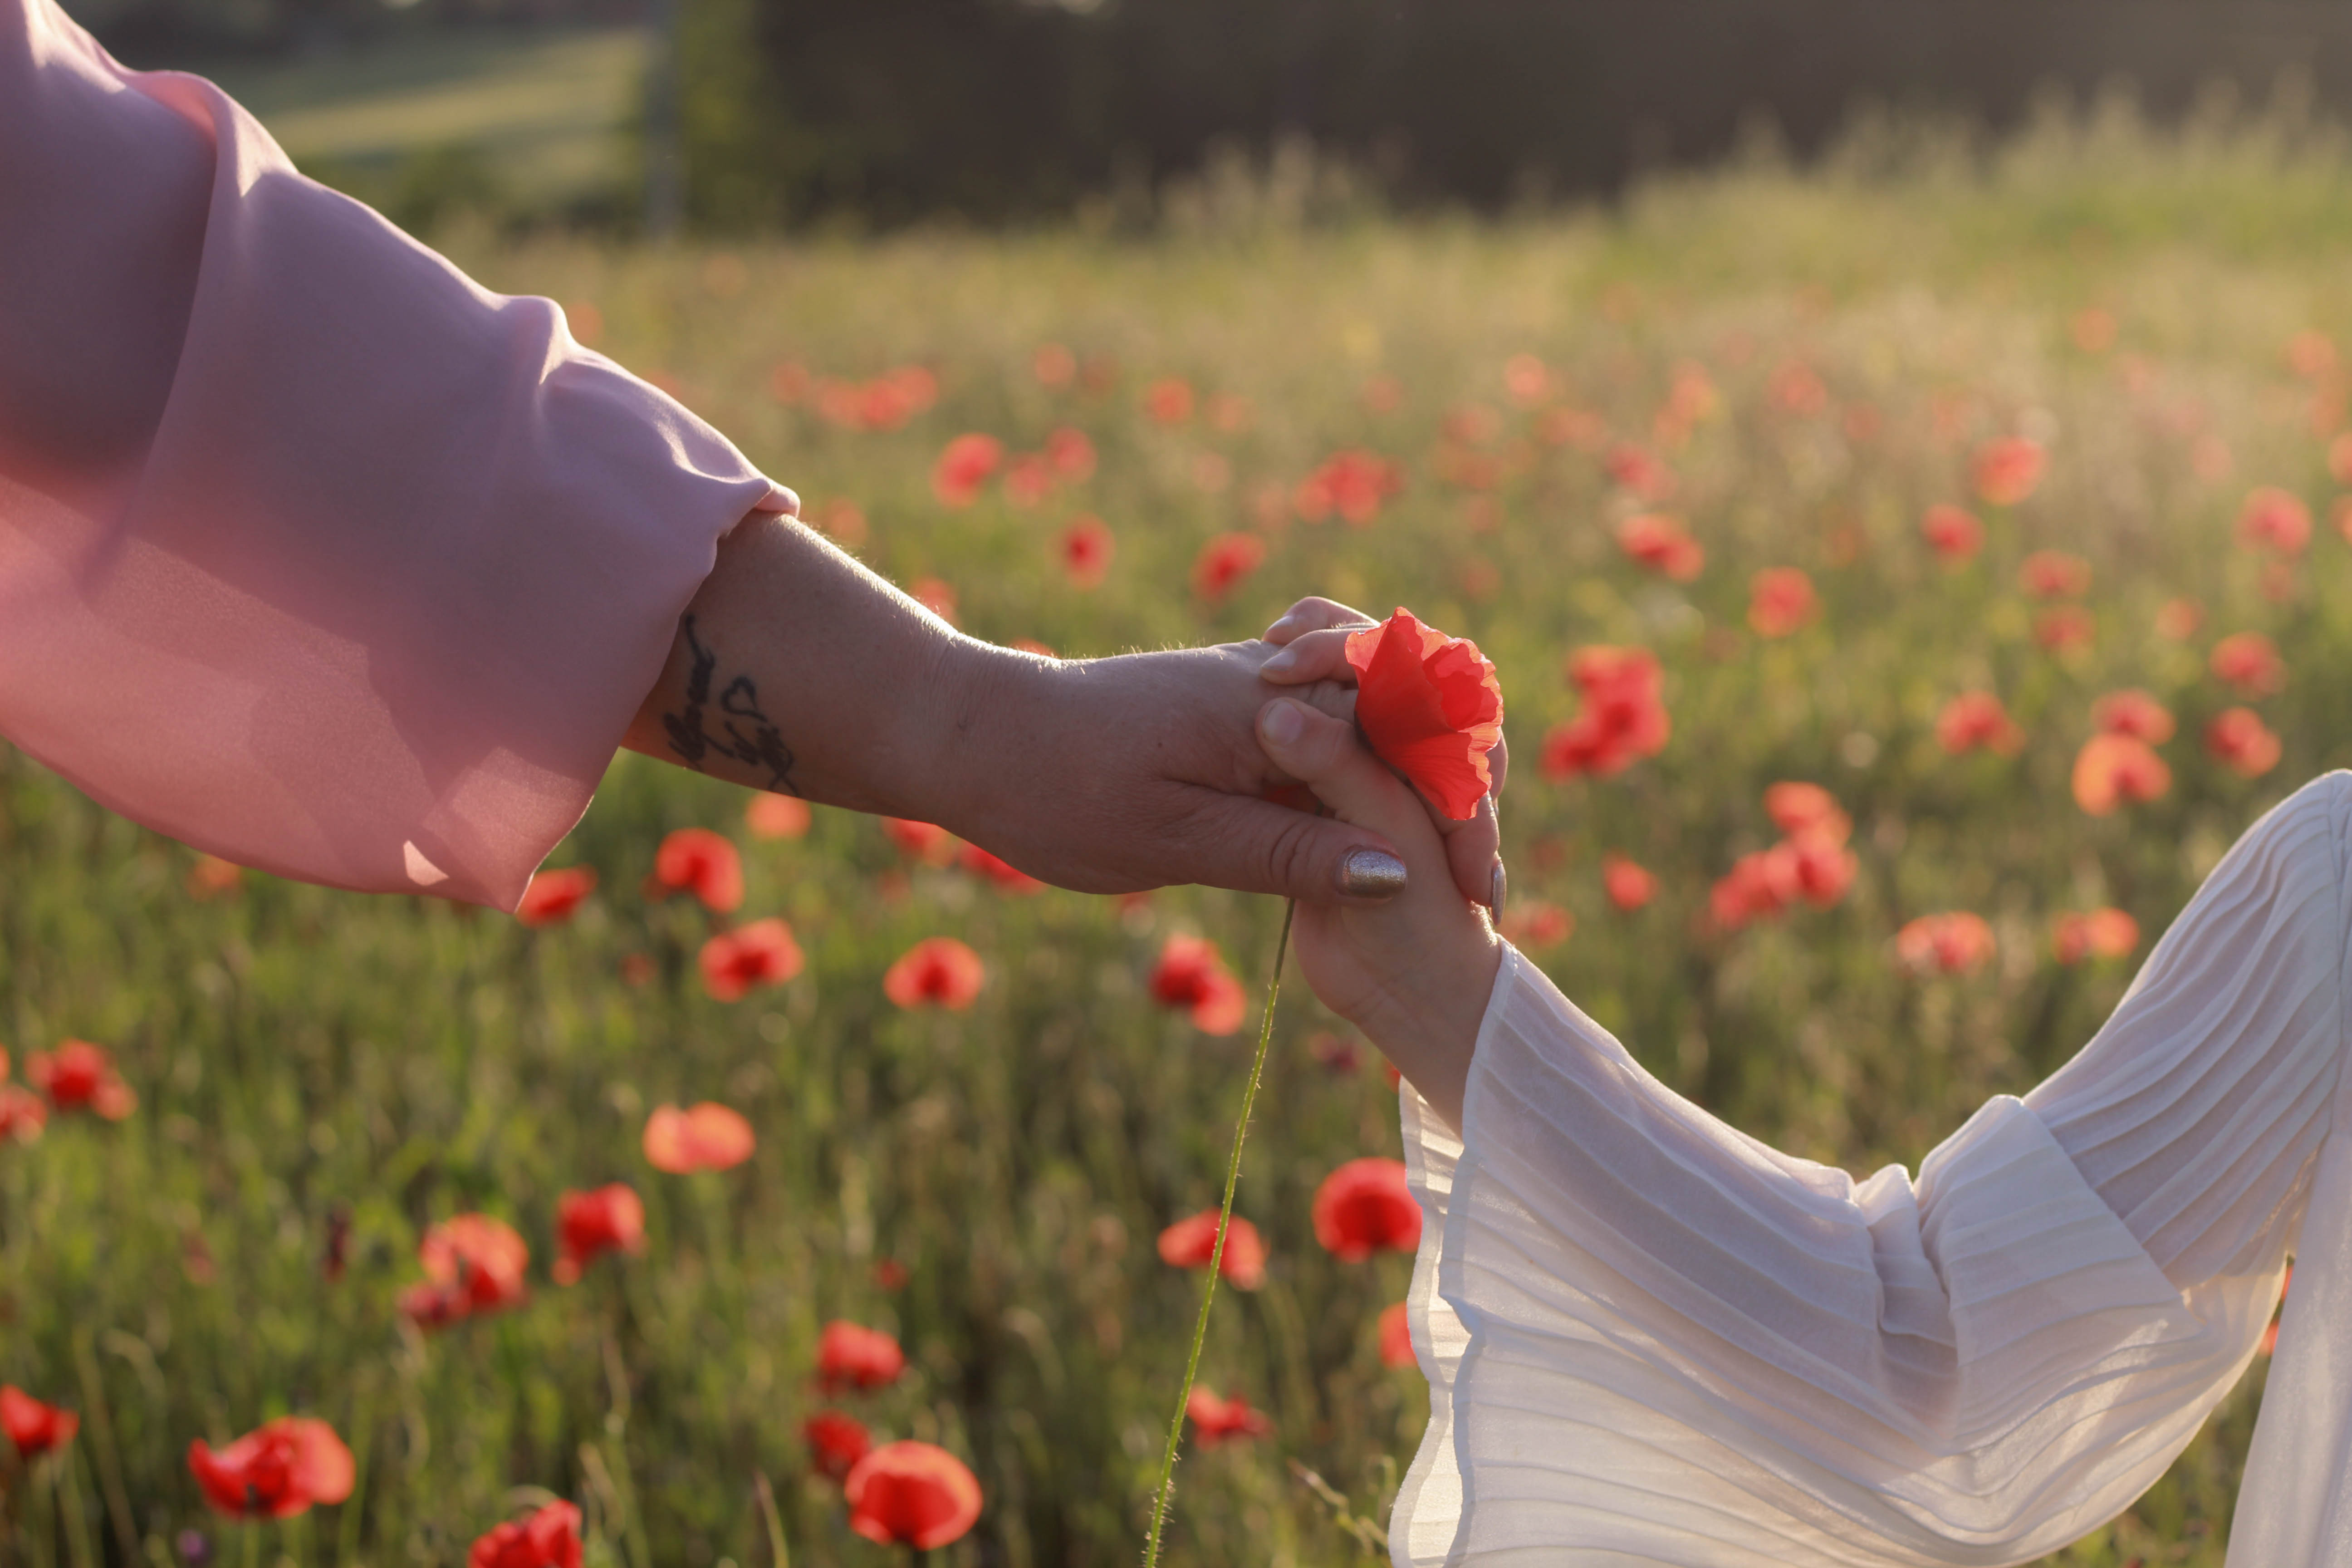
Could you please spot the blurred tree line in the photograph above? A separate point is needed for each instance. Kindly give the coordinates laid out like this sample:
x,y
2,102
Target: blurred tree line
x,y
887,111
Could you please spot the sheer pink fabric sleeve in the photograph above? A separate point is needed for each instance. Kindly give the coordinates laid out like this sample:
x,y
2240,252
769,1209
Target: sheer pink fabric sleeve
x,y
312,553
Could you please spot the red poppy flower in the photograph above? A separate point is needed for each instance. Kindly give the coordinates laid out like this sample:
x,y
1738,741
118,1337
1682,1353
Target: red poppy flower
x,y
23,1114
851,1357
1431,706
552,896
2008,470
1364,1205
1355,483
2065,628
1824,868
836,1441
1396,1335
937,971
1532,923
1623,719
2250,662
1954,535
761,953
1629,887
1780,601
1801,810
2134,712
1216,1420
473,1264
2241,742
1526,379
2274,519
79,1076
1955,943
923,841
1087,550
777,816
699,861
709,1136
1029,479
1070,454
35,1427
2055,575
1190,974
1169,400
912,1494
2111,769
1643,476
1976,719
963,467
274,1471
1003,875
1224,562
2177,619
1189,1244
1661,543
547,1539
611,1219
2094,933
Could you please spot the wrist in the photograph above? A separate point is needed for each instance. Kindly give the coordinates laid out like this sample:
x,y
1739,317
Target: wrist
x,y
978,700
1427,1020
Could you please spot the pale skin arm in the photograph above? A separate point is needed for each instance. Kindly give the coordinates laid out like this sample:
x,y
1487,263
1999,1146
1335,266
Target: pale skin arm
x,y
796,669
1414,974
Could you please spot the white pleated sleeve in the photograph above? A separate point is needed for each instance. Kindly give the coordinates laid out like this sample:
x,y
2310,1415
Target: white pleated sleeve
x,y
1651,1339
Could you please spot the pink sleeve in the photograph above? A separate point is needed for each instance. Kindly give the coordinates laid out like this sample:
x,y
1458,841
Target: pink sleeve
x,y
312,553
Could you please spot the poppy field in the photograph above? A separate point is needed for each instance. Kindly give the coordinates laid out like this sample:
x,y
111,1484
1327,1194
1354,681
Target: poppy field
x,y
1905,579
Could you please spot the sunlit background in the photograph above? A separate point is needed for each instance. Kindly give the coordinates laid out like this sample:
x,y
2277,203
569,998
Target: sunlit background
x,y
1940,405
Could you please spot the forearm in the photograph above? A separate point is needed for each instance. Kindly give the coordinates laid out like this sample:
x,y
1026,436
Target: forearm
x,y
796,669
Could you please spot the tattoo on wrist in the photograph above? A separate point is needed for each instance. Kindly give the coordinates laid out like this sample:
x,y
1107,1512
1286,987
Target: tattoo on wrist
x,y
745,734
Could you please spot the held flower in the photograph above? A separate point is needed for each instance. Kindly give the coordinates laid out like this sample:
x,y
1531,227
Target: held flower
x,y
1431,706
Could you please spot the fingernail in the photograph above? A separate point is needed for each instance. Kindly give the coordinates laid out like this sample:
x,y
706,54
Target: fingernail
x,y
1280,662
1371,874
1283,722
1497,884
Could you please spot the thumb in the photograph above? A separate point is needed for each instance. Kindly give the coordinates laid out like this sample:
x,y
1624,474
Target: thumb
x,y
1258,847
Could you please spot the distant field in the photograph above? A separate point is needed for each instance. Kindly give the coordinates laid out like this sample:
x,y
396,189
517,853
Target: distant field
x,y
542,112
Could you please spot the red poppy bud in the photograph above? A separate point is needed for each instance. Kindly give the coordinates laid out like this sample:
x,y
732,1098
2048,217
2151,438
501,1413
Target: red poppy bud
x,y
937,971
549,1538
912,1494
36,1428
1216,1420
710,1137
1364,1206
274,1471
1189,1243
836,1441
849,1356
699,861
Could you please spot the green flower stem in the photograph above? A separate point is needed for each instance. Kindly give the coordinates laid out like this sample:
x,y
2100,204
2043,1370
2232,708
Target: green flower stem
x,y
1217,1254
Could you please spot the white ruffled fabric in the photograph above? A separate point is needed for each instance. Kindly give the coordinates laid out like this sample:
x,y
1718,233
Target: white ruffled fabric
x,y
1651,1339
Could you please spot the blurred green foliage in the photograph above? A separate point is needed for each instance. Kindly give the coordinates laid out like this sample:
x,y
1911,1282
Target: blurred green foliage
x,y
302,1054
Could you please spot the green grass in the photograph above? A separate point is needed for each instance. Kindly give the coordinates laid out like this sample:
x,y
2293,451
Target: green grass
x,y
302,1053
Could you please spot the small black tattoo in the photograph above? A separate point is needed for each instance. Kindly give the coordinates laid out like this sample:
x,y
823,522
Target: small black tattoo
x,y
746,734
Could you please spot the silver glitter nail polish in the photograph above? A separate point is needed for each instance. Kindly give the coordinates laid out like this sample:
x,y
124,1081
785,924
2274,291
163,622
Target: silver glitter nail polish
x,y
1497,886
1371,874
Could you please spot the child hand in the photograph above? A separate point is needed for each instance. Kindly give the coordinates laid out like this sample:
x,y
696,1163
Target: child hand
x,y
1414,973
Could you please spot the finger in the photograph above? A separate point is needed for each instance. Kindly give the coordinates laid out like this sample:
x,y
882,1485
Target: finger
x,y
1474,850
791,498
1498,766
1315,615
1319,655
1257,846
1325,754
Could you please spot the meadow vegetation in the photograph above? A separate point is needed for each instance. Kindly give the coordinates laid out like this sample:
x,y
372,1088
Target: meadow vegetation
x,y
1790,368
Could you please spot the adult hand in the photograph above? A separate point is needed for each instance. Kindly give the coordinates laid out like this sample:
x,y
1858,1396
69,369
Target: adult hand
x,y
1109,774
1313,635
